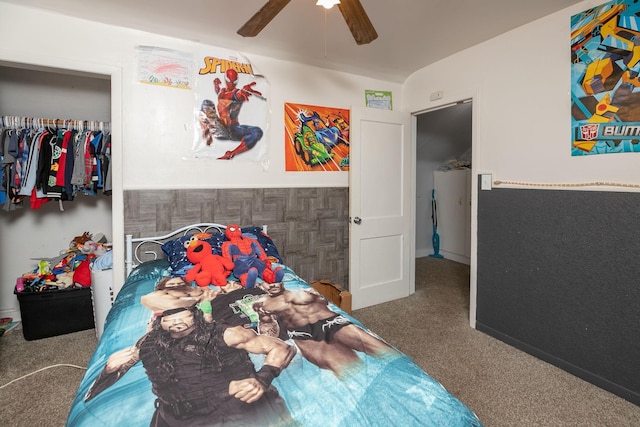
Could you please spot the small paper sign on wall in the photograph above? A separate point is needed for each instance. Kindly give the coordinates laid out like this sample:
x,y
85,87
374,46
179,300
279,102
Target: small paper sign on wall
x,y
381,99
164,67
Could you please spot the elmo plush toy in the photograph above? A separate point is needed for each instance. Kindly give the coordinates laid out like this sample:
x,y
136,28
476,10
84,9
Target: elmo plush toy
x,y
208,267
249,258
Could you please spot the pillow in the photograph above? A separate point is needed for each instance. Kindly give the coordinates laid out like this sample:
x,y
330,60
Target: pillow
x,y
269,247
176,253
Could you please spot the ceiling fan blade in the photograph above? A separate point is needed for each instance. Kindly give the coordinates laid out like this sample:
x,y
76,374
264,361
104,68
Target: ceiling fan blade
x,y
357,21
262,17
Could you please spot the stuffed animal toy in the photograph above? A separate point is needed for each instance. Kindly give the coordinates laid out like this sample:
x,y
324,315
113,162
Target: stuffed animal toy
x,y
208,268
78,241
92,248
82,274
249,258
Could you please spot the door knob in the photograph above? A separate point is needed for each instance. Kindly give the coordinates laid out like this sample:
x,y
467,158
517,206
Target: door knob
x,y
357,220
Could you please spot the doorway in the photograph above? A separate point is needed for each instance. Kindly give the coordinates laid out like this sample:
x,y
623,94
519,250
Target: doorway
x,y
33,234
443,161
444,143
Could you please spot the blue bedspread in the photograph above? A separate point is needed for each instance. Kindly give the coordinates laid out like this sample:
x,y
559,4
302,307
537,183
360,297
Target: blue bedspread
x,y
388,391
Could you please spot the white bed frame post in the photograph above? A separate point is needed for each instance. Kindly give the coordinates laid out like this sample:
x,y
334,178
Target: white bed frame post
x,y
128,256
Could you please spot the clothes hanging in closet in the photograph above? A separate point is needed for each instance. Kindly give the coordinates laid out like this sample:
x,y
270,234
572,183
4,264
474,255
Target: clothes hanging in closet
x,y
53,164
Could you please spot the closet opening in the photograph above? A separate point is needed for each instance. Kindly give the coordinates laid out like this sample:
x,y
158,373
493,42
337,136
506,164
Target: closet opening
x,y
443,185
64,98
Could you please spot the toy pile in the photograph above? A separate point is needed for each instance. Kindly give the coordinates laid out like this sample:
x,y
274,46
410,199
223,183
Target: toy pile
x,y
70,269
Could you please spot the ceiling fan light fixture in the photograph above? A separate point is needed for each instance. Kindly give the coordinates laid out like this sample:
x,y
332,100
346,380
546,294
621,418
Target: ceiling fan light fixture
x,y
327,4
351,10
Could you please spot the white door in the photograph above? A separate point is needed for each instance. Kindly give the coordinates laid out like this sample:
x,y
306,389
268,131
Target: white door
x,y
380,207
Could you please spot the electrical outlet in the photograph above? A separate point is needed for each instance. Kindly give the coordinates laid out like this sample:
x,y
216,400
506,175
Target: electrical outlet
x,y
485,184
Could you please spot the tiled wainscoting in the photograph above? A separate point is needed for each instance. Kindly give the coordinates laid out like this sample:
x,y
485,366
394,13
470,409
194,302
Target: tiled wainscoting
x,y
309,225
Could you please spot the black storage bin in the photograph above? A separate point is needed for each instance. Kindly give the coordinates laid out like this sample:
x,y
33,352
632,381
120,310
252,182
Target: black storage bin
x,y
50,313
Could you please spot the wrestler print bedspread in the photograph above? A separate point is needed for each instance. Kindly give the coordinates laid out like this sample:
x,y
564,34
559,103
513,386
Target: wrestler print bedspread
x,y
275,355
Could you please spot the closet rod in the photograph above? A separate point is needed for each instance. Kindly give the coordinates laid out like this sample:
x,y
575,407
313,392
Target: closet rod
x,y
24,122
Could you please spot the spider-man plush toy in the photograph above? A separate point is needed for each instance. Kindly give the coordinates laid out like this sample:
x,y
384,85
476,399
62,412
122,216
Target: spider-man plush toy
x,y
249,259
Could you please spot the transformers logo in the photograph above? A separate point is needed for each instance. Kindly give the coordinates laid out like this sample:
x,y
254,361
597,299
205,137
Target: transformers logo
x,y
589,132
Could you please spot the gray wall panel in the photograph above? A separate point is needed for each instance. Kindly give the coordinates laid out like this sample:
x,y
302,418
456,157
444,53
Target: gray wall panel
x,y
309,225
559,277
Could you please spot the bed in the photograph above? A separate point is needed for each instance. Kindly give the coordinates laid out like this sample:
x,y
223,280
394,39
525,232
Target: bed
x,y
258,363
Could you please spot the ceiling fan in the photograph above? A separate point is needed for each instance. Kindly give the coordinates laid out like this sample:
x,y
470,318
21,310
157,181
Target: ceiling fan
x,y
352,12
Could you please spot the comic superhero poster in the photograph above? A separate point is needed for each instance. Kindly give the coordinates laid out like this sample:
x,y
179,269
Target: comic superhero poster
x,y
316,138
605,80
231,111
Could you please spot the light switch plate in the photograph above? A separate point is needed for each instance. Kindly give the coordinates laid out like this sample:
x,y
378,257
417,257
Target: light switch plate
x,y
485,184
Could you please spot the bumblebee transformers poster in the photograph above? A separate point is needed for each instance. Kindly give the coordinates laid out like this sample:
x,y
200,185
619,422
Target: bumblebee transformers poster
x,y
316,138
231,108
605,79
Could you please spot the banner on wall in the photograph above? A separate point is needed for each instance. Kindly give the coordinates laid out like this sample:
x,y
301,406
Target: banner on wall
x,y
605,80
231,111
316,138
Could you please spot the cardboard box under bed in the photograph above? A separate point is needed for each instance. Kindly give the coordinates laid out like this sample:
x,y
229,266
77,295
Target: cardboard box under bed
x,y
50,313
334,293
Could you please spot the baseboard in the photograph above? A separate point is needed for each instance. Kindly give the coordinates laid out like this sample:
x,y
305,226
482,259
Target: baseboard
x,y
420,253
590,377
14,314
455,257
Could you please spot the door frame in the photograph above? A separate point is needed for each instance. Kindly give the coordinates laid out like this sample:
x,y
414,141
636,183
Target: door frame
x,y
474,96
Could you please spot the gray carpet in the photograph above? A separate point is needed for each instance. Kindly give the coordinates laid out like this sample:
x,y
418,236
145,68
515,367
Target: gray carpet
x,y
504,386
44,398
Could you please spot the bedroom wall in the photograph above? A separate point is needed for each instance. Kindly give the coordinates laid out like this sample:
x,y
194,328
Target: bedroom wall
x,y
521,107
153,126
520,85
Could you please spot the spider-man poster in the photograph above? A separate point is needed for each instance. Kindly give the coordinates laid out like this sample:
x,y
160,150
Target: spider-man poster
x,y
605,79
231,108
316,138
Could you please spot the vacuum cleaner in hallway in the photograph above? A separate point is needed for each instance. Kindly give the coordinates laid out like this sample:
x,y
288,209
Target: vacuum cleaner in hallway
x,y
434,219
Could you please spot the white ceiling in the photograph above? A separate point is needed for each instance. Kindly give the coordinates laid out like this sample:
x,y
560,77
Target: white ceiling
x,y
411,33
